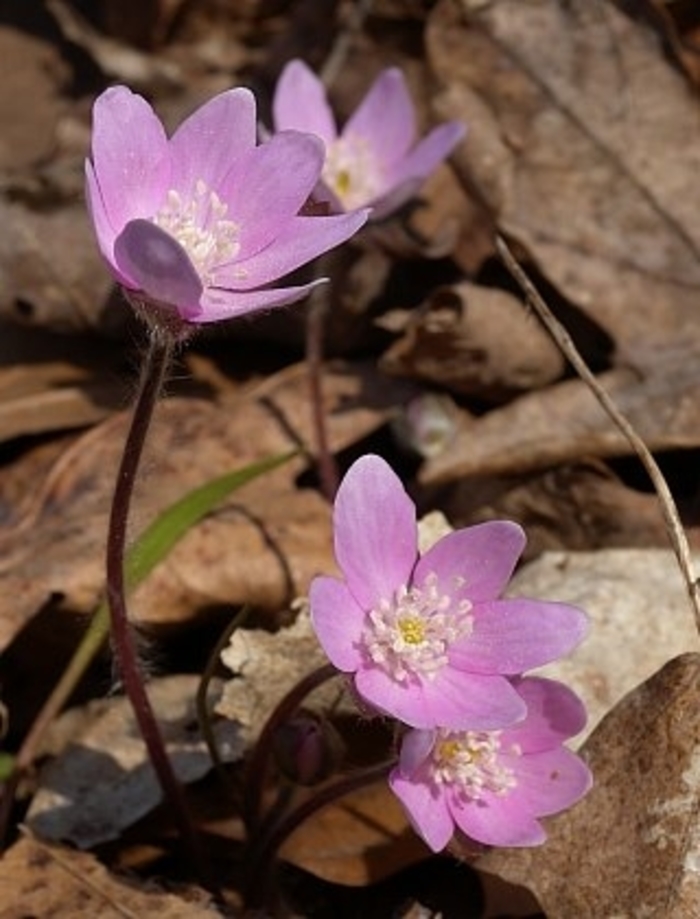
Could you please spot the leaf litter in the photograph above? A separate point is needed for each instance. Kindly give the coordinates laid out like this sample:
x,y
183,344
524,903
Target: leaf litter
x,y
582,150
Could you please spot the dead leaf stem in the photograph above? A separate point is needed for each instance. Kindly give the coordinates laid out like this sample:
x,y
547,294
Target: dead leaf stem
x,y
674,527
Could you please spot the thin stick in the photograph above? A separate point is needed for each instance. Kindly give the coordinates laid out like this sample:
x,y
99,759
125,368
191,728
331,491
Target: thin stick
x,y
674,527
123,644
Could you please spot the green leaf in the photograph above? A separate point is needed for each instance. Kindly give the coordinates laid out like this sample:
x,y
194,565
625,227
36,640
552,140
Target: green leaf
x,y
7,765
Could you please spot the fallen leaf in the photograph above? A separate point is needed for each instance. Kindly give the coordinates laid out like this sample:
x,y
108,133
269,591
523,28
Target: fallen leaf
x,y
455,340
643,811
103,782
565,422
585,143
53,882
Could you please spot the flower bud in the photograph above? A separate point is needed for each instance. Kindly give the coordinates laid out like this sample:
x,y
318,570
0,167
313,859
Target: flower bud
x,y
307,749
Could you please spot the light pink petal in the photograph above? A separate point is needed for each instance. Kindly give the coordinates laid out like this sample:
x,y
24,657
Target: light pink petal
x,y
103,228
159,266
338,622
269,187
213,140
550,781
219,304
300,240
454,700
425,808
475,563
511,636
429,153
385,118
554,713
497,820
300,103
375,533
130,156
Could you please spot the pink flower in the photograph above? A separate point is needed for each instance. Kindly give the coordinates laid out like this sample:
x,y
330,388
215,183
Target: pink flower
x,y
375,160
493,785
205,222
426,638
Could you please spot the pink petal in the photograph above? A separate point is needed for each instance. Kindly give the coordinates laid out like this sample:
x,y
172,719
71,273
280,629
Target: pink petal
x,y
375,531
453,700
385,117
218,304
497,820
103,228
300,240
159,266
270,186
130,156
511,636
427,155
426,809
550,781
300,102
554,713
338,622
213,140
475,563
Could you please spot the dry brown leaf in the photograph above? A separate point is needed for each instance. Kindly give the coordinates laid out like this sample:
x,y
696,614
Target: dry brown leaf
x,y
585,142
103,782
565,422
32,69
631,848
51,882
455,339
570,507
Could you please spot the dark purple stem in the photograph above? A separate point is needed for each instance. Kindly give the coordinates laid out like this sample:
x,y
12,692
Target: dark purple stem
x,y
123,644
256,772
260,872
315,337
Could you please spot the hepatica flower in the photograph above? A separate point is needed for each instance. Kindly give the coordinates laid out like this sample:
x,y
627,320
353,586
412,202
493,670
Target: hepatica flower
x,y
205,222
494,785
377,158
427,638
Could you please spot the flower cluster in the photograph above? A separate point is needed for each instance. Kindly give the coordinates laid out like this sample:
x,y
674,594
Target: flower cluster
x,y
428,640
376,159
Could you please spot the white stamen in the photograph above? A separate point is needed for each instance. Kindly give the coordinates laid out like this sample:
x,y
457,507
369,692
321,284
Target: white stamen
x,y
199,224
469,762
410,634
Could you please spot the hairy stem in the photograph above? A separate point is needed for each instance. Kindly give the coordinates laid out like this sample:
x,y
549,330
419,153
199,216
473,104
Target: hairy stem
x,y
123,643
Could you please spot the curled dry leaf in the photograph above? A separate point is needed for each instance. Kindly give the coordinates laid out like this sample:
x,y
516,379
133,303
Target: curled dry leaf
x,y
565,422
585,144
645,757
456,340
